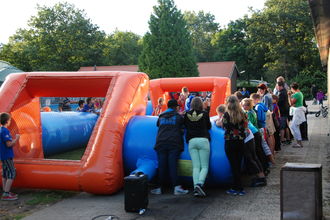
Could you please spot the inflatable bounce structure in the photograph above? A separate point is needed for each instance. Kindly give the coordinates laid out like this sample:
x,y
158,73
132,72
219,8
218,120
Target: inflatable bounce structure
x,y
119,141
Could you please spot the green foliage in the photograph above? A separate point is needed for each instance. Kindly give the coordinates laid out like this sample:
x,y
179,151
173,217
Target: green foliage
x,y
167,48
202,28
282,37
122,48
306,79
231,44
58,38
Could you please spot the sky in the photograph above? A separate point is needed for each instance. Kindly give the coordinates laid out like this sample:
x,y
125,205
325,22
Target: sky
x,y
125,15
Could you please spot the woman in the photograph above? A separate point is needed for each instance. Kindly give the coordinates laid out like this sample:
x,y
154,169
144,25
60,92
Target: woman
x,y
198,123
235,124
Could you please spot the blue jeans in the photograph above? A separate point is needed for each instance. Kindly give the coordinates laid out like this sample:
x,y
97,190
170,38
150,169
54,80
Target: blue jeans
x,y
167,160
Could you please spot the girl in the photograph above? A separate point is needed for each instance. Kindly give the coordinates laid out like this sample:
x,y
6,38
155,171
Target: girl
x,y
198,123
235,124
158,108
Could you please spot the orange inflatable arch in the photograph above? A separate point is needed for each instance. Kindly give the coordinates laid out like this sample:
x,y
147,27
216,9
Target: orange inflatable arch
x,y
100,170
219,86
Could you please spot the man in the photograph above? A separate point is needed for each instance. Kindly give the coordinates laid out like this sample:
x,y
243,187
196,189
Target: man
x,y
169,145
245,93
297,110
283,105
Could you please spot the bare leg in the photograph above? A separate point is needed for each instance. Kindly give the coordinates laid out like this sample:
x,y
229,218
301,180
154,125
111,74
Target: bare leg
x,y
3,183
9,182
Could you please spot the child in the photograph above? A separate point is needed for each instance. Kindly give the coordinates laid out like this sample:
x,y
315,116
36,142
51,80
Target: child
x,y
221,109
80,105
261,111
6,156
235,124
256,160
158,108
276,118
320,97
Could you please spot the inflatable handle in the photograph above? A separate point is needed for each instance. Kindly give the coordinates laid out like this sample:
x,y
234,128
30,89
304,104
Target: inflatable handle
x,y
146,166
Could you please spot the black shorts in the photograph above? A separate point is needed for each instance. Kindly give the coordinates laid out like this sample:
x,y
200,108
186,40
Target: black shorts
x,y
283,122
8,169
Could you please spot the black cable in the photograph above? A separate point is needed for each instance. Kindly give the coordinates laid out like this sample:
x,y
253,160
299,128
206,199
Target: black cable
x,y
112,217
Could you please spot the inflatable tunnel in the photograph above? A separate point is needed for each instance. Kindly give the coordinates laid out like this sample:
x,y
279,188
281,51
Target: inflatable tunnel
x,y
219,86
100,170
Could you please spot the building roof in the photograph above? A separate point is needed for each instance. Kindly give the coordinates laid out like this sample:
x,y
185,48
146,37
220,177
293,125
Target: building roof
x,y
6,69
221,69
321,18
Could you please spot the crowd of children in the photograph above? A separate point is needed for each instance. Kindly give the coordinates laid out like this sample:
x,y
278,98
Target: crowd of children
x,y
255,128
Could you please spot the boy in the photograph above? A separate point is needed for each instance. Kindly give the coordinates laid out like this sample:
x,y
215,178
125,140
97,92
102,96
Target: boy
x,y
6,156
261,111
169,145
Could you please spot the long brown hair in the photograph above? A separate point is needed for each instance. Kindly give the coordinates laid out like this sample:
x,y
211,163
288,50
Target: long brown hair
x,y
235,110
196,104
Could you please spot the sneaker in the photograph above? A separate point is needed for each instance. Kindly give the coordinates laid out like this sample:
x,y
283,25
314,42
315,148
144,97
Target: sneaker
x,y
200,190
178,190
241,193
13,194
195,193
8,197
259,182
232,192
156,191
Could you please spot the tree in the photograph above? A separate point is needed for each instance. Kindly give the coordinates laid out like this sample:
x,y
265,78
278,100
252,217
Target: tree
x,y
231,44
122,48
283,34
167,48
58,38
202,28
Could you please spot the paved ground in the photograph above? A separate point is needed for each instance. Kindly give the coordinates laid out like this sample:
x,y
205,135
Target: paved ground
x,y
259,203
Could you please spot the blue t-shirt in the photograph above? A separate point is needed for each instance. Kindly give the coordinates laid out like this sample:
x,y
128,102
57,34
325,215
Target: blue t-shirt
x,y
5,152
88,108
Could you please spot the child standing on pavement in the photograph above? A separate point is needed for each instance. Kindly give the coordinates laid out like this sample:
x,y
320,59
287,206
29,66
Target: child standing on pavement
x,y
235,125
6,156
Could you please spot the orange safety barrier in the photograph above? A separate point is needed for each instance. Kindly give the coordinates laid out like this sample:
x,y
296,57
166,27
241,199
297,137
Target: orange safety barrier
x,y
100,170
219,86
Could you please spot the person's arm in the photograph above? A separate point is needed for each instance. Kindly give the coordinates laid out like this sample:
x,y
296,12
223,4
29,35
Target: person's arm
x,y
12,143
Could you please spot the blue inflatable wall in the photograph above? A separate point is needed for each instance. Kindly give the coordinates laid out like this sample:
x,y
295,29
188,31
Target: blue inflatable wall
x,y
149,109
140,138
64,131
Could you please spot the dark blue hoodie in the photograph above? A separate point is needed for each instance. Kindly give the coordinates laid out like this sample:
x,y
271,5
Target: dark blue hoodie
x,y
170,131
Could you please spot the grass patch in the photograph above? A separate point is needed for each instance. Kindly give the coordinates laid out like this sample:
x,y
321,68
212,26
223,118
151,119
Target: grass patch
x,y
69,155
48,197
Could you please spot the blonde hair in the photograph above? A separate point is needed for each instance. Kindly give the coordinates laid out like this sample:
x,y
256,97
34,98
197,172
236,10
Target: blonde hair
x,y
248,102
196,104
254,96
234,110
280,79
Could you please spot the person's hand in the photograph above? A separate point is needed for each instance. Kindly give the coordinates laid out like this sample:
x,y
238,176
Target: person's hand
x,y
17,136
